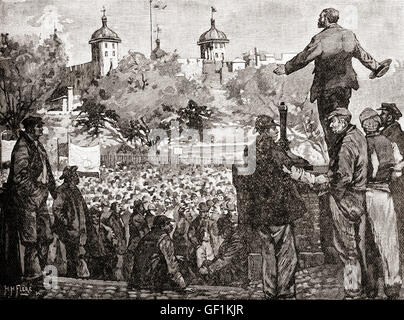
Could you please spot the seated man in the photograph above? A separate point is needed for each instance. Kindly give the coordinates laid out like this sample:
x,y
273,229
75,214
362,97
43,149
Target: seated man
x,y
155,265
230,264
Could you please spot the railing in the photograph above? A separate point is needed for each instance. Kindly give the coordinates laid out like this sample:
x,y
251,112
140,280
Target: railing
x,y
113,159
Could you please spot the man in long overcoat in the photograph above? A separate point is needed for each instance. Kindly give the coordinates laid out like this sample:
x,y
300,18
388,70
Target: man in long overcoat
x,y
27,220
70,212
277,205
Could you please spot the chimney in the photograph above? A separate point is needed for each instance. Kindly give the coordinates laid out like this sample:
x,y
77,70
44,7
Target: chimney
x,y
69,99
283,114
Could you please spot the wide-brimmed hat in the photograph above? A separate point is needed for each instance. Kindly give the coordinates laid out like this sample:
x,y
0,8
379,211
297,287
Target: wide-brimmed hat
x,y
68,171
391,108
382,70
32,121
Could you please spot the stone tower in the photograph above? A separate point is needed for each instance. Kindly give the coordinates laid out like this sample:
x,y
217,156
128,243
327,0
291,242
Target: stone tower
x,y
105,47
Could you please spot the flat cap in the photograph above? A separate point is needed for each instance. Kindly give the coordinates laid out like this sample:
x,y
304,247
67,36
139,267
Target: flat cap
x,y
340,112
392,108
368,113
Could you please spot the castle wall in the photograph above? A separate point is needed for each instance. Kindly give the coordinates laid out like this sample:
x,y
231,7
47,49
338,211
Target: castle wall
x,y
80,76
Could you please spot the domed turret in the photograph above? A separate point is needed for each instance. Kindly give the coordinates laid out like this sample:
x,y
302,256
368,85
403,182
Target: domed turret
x,y
104,33
104,47
213,43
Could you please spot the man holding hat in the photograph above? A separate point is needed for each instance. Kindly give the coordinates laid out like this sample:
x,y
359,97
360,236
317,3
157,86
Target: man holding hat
x,y
29,182
390,115
379,203
70,212
332,51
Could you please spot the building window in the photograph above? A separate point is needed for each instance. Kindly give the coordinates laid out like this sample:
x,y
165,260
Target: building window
x,y
113,53
221,45
106,45
113,46
217,55
106,53
216,45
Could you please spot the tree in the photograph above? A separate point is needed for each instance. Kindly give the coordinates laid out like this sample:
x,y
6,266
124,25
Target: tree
x,y
93,117
193,116
136,131
139,88
29,70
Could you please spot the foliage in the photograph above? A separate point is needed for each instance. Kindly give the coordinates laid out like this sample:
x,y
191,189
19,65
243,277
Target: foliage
x,y
193,116
93,117
29,70
139,88
136,131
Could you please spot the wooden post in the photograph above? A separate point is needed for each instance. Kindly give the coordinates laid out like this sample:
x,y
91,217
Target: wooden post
x,y
57,151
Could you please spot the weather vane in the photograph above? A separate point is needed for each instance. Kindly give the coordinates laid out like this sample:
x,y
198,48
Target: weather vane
x,y
103,10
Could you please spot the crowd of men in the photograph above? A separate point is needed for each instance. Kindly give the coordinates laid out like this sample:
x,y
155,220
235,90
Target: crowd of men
x,y
139,225
122,206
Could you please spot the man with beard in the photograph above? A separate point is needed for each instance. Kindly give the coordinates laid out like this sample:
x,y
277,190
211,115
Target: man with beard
x,y
26,214
155,266
334,77
70,211
392,131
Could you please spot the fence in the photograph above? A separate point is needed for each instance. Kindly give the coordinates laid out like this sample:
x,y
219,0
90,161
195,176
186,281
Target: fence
x,y
111,160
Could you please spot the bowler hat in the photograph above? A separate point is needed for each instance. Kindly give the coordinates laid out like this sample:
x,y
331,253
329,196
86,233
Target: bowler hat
x,y
68,172
382,70
340,112
392,108
31,121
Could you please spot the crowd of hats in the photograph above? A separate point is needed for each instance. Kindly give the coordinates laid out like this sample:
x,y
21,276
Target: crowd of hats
x,y
163,190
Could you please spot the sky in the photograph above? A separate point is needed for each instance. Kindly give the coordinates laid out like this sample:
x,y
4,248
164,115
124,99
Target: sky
x,y
275,26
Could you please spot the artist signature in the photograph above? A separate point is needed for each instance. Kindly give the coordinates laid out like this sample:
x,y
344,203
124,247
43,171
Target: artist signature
x,y
15,291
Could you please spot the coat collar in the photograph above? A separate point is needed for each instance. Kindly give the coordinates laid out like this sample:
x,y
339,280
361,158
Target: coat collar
x,y
333,25
392,127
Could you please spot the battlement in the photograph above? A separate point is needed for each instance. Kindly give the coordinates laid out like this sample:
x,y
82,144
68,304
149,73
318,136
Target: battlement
x,y
259,58
80,67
